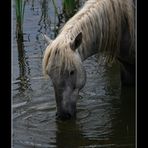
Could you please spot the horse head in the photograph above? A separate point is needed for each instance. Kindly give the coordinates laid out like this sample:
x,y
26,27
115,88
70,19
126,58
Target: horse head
x,y
63,64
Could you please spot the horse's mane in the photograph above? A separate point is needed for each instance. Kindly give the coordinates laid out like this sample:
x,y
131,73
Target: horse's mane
x,y
99,20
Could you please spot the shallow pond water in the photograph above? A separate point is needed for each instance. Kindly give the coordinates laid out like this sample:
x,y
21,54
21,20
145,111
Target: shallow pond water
x,y
105,112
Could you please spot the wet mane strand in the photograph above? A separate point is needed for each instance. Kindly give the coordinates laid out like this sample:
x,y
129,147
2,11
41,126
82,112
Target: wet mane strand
x,y
100,21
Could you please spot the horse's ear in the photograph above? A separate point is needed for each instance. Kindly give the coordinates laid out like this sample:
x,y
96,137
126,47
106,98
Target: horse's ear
x,y
46,38
76,42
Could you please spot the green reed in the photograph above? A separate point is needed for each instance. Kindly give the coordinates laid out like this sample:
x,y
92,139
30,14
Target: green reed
x,y
20,7
55,7
69,7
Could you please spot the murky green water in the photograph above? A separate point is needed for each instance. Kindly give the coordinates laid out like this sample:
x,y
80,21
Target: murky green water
x,y
105,112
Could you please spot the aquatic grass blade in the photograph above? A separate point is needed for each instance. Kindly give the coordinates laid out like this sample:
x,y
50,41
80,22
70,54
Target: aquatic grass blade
x,y
20,8
55,7
69,7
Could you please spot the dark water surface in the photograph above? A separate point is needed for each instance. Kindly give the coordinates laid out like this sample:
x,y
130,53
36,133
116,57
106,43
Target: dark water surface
x,y
105,112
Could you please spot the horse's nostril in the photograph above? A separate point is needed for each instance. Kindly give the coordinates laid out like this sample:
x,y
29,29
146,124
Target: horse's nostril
x,y
63,116
68,115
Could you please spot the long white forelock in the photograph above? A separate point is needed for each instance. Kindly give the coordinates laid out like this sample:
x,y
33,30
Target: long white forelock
x,y
101,18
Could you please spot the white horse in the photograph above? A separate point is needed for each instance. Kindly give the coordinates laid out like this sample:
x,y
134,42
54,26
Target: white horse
x,y
101,25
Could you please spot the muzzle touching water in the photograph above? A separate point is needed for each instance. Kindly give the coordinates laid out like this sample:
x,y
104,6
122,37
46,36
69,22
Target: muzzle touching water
x,y
66,106
67,111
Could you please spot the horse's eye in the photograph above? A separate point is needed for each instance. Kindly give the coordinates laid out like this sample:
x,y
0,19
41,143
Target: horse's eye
x,y
72,72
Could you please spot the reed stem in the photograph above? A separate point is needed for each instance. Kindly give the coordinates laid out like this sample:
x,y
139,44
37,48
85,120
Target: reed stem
x,y
20,8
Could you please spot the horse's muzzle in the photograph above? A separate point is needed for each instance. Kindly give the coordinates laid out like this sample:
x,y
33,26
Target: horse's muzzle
x,y
64,115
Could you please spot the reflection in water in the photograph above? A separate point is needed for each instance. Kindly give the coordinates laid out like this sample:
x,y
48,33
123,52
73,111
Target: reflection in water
x,y
44,21
124,122
49,23
123,109
24,70
68,134
128,107
118,129
22,80
128,110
